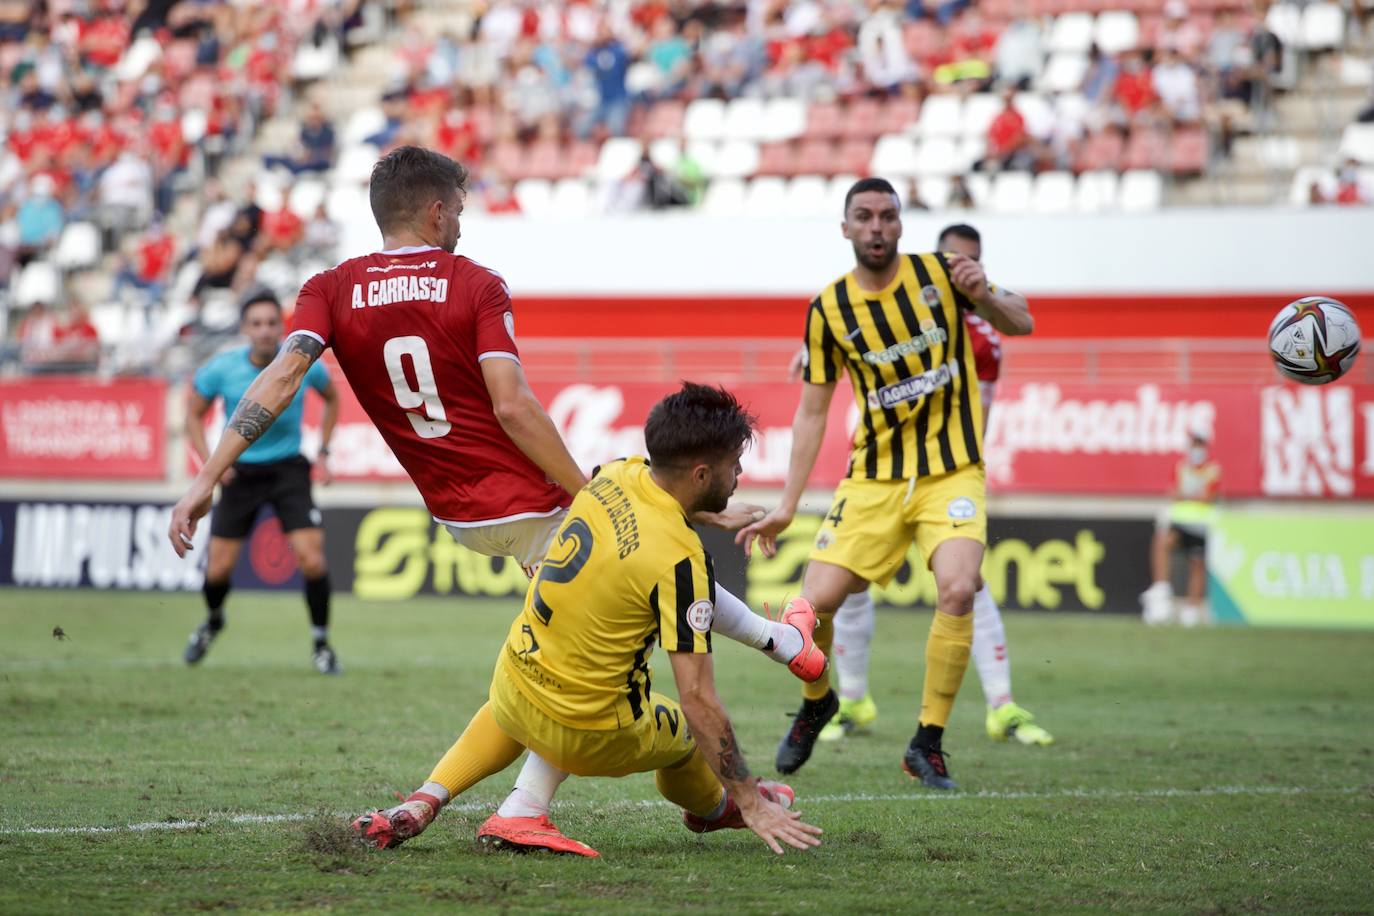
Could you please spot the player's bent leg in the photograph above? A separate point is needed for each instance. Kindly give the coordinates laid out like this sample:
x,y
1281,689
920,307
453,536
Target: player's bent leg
x,y
223,553
481,751
853,638
787,640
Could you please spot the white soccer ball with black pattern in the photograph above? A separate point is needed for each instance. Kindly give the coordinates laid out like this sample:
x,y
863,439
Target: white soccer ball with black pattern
x,y
1314,340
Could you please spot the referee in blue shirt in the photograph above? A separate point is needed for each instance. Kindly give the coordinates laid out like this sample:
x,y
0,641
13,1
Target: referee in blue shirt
x,y
271,472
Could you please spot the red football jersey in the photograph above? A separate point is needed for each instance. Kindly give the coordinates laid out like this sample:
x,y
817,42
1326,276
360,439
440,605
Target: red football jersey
x,y
987,347
410,329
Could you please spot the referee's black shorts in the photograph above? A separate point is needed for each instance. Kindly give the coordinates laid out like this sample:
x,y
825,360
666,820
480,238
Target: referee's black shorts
x,y
284,485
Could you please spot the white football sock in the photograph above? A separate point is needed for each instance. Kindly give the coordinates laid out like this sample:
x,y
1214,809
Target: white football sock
x,y
734,620
853,637
990,649
534,789
436,790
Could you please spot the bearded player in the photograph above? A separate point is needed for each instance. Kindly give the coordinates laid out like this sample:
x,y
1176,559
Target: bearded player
x,y
426,341
895,324
854,621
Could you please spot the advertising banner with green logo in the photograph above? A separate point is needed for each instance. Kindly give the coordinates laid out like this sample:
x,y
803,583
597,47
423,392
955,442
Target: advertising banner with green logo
x,y
1286,569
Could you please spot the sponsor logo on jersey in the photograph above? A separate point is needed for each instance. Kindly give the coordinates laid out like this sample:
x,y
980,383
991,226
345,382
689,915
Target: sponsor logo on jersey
x,y
962,509
914,388
931,296
418,265
928,338
700,615
509,319
824,540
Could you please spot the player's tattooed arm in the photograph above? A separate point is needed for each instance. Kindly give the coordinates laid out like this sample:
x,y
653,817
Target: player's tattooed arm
x,y
305,345
731,758
250,419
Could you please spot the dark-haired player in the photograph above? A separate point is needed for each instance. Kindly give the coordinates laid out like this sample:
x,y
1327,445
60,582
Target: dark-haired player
x,y
426,340
270,472
895,324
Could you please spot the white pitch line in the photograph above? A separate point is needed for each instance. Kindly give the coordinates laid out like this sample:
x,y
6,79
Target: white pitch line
x,y
946,798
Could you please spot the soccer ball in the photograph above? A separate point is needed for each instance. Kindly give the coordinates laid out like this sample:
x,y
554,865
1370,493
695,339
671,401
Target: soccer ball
x,y
1314,340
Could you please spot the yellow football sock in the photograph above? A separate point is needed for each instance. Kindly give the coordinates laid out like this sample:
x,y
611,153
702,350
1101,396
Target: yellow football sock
x,y
691,785
480,751
824,637
947,652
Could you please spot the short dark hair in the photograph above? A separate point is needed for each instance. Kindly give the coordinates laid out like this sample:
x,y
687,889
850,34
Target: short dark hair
x,y
960,230
407,179
256,297
697,423
870,184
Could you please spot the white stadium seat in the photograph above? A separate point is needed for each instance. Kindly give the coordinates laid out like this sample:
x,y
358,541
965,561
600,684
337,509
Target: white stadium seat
x,y
1096,191
968,152
1142,191
194,122
1071,108
1037,111
783,119
938,156
836,190
534,196
571,199
979,188
111,322
744,119
1072,32
665,152
1117,31
1011,193
1300,194
39,281
1358,142
1285,21
313,62
362,124
941,116
979,110
704,120
617,157
766,197
894,156
345,203
1053,192
78,246
736,159
806,196
934,191
724,197
1322,27
355,163
705,153
1064,72
305,197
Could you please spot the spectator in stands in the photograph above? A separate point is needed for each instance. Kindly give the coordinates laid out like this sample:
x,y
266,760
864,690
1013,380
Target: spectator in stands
x,y
315,148
882,49
1134,92
1176,84
282,230
394,109
912,200
37,338
1227,50
125,192
1008,144
959,196
78,341
40,219
732,57
608,62
9,240
671,56
647,187
1019,54
1178,32
496,193
217,212
1266,51
320,239
1099,82
146,264
1350,185
220,264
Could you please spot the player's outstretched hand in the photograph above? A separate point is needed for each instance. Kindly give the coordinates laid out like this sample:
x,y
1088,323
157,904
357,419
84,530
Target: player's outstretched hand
x,y
766,530
189,510
968,275
776,825
795,367
732,518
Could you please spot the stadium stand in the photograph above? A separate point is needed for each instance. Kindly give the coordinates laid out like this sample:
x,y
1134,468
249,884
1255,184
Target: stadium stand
x,y
158,167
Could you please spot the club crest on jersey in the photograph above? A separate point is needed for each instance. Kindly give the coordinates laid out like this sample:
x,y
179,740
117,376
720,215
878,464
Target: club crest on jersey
x,y
824,540
962,509
931,296
509,319
700,615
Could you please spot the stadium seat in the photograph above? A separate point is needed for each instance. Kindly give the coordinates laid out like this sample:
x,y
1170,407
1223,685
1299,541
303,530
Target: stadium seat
x,y
1071,108
1053,192
545,159
362,123
1300,194
744,119
78,246
534,196
1037,111
1147,149
783,119
1071,32
736,159
345,203
766,197
194,121
824,121
1358,142
665,120
807,197
305,197
617,156
313,62
704,153
863,119
39,281
937,156
110,320
571,199
1101,150
1116,31
1010,193
894,156
817,156
704,119
1322,27
836,189
724,197
1141,191
138,58
1356,71
1285,21
979,188
853,156
1064,72
777,159
941,116
900,114
934,191
979,110
1188,152
968,152
665,152
355,163
1096,191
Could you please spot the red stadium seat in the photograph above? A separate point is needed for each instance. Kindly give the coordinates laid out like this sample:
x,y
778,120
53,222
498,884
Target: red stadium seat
x,y
1147,149
579,158
899,114
665,120
1188,152
824,121
816,157
510,158
544,159
777,159
853,157
924,39
1101,150
863,118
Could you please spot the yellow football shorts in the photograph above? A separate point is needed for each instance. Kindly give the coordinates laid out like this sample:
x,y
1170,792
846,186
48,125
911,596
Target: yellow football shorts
x,y
873,522
656,740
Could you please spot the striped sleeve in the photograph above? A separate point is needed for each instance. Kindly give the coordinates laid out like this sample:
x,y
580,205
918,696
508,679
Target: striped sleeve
x,y
824,357
686,604
964,303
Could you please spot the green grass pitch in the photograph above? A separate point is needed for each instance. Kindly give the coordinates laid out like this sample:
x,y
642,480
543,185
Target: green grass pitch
x,y
1210,771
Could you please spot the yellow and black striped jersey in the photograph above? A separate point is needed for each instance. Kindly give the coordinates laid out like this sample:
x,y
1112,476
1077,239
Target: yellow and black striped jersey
x,y
625,571
910,360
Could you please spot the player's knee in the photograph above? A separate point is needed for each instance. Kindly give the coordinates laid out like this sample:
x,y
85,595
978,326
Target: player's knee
x,y
313,565
956,592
